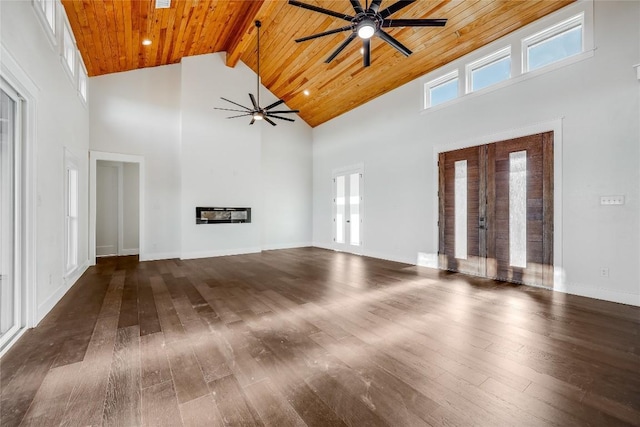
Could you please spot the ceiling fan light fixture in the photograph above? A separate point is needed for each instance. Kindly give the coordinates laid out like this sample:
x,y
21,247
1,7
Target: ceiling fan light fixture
x,y
258,116
366,29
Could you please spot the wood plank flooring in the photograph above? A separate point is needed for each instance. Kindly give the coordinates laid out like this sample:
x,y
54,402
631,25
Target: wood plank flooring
x,y
313,337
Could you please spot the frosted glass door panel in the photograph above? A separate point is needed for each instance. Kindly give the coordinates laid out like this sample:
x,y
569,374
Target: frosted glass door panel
x,y
354,209
461,209
340,209
518,209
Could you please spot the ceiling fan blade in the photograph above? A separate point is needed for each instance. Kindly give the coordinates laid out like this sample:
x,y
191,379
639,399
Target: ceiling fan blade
x,y
395,7
266,119
229,109
275,104
320,10
375,5
341,47
414,23
366,54
393,42
253,101
284,111
326,33
357,6
235,103
253,120
239,115
281,118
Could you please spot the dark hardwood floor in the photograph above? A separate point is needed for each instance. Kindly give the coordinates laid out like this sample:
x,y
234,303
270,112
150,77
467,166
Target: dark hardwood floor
x,y
313,337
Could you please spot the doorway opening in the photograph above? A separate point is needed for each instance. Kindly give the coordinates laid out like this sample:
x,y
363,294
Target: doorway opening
x,y
496,210
116,205
347,210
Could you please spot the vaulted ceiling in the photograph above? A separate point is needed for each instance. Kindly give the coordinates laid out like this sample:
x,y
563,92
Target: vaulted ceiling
x,y
109,35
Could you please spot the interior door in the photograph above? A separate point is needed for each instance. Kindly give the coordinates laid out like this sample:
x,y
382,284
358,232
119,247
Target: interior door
x,y
496,210
347,210
460,229
523,210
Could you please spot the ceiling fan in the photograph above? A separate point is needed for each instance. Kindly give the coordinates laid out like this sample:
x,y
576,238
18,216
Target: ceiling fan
x,y
257,112
366,23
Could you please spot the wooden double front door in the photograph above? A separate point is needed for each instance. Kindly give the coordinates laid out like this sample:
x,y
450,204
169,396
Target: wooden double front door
x,y
496,210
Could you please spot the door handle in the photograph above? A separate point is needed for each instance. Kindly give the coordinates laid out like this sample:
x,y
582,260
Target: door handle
x,y
348,220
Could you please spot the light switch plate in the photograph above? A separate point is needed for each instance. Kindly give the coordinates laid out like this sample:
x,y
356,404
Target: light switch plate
x,y
612,200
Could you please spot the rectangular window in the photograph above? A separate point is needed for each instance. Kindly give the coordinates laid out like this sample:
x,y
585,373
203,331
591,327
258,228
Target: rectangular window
x,y
48,9
554,44
69,49
340,208
82,82
354,209
489,70
518,209
441,90
71,214
460,203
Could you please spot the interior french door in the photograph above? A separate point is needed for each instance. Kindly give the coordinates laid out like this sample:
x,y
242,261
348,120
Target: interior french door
x,y
10,290
347,211
496,210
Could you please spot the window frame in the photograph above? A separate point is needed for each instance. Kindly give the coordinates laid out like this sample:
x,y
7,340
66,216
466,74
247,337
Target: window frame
x,y
50,28
71,163
444,79
83,82
71,69
489,59
540,28
547,34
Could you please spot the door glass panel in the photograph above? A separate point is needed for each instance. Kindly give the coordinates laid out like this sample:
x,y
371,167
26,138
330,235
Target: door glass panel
x,y
460,202
518,209
354,208
340,208
7,221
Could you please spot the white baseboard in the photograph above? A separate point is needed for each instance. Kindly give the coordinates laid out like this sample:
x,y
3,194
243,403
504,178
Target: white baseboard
x,y
13,340
217,253
134,251
159,256
601,294
286,246
108,250
67,282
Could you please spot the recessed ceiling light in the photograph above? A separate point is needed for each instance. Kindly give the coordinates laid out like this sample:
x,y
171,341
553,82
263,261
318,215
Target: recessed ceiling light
x,y
306,92
146,42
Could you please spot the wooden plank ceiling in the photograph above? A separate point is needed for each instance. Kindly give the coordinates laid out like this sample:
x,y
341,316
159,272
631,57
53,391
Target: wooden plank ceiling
x,y
109,35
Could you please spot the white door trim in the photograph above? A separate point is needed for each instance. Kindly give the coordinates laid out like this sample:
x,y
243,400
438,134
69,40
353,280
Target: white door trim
x,y
17,78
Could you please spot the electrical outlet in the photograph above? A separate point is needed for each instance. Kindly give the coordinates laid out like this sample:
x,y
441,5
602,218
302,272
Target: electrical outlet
x,y
604,271
612,200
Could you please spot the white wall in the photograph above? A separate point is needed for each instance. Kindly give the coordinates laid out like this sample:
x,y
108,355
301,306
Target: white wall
x,y
61,120
138,113
194,156
286,185
597,100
